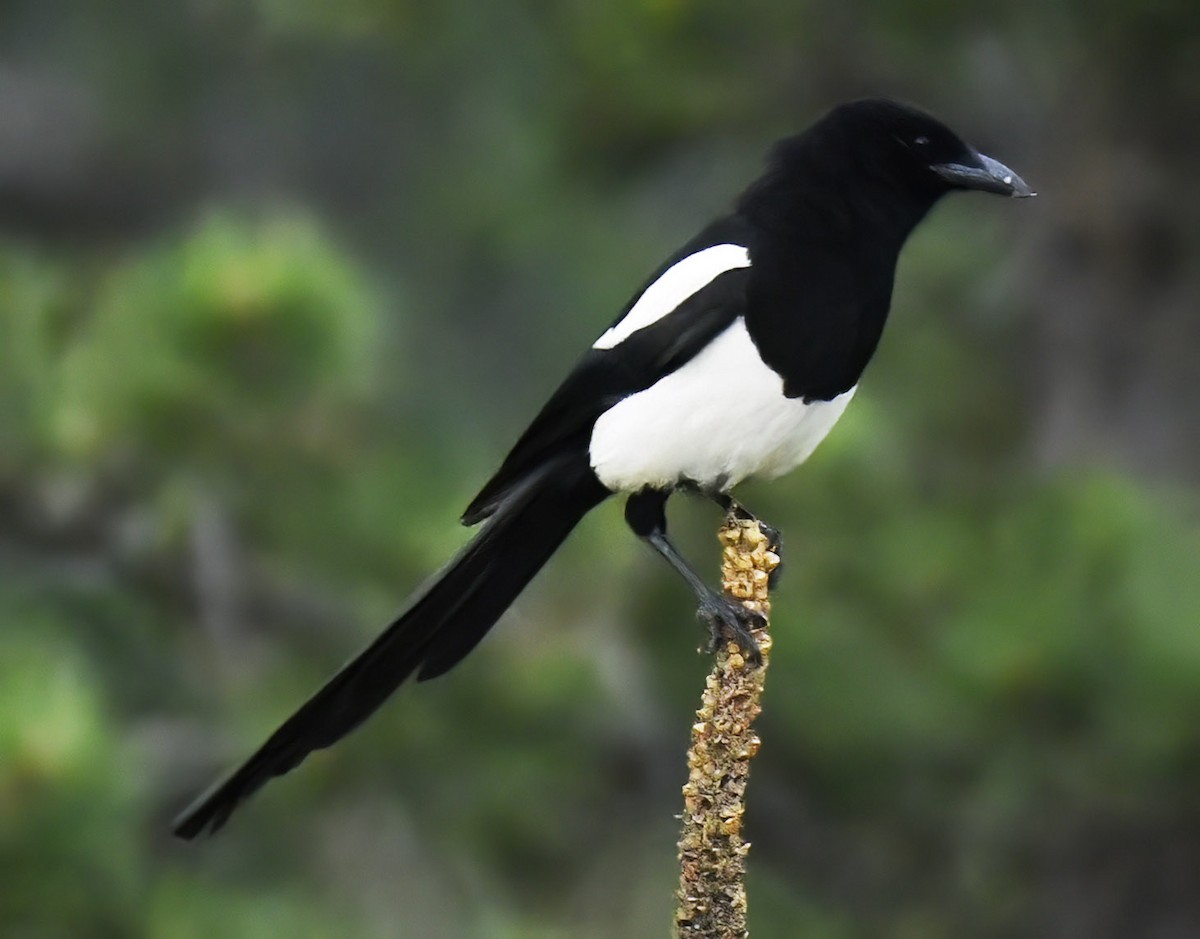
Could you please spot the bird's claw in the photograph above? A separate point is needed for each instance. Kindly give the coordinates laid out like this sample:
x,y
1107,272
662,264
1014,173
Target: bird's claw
x,y
727,619
773,535
775,544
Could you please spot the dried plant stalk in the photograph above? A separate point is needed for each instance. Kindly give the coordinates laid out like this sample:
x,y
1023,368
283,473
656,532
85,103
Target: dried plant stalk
x,y
711,900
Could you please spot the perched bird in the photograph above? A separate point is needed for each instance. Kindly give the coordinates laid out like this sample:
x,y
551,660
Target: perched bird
x,y
788,293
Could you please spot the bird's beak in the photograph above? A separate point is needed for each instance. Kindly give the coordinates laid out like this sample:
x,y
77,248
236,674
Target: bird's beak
x,y
985,174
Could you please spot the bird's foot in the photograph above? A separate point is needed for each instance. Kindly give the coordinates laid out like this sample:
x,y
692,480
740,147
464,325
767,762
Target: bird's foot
x,y
737,510
728,619
773,535
775,543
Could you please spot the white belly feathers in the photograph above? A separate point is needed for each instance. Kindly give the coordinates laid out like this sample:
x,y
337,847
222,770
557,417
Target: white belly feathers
x,y
717,420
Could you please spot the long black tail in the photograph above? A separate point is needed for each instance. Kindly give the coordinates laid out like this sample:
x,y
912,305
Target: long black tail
x,y
443,622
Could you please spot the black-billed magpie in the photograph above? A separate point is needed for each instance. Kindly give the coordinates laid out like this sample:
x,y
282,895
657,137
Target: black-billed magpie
x,y
735,359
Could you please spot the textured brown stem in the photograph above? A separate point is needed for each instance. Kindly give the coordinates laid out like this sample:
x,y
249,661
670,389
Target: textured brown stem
x,y
711,900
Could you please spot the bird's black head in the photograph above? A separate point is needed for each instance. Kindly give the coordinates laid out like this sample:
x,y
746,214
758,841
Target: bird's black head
x,y
901,145
874,158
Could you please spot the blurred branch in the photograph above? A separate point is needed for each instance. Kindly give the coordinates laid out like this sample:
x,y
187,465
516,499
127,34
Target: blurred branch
x,y
711,900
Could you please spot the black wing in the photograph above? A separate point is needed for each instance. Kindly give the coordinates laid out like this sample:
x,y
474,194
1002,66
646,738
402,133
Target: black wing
x,y
602,377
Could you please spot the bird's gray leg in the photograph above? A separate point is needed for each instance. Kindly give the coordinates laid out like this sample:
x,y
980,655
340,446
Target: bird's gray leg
x,y
726,618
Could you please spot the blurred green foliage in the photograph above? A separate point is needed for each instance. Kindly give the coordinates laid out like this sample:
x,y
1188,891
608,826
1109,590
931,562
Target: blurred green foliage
x,y
300,284
240,338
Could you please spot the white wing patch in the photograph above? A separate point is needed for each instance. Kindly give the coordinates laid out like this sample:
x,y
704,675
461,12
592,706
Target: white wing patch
x,y
677,283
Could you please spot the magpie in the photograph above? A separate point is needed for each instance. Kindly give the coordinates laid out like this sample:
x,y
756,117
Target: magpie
x,y
734,359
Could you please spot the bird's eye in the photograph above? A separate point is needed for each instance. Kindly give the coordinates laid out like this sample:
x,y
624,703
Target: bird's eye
x,y
921,141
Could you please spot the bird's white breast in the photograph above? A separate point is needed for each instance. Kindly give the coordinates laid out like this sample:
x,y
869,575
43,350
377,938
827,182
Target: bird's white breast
x,y
717,420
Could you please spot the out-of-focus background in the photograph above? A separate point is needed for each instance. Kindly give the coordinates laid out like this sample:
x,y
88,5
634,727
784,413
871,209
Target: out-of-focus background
x,y
281,280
